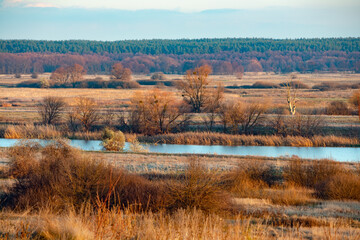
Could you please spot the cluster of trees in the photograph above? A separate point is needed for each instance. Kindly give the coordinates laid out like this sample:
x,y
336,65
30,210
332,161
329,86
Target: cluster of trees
x,y
225,56
69,74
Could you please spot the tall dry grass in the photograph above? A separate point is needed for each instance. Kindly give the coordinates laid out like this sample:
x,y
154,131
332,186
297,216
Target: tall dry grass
x,y
210,138
31,131
182,224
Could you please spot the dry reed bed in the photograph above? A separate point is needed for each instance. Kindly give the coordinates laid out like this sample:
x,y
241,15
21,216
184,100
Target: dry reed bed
x,y
68,196
120,224
209,138
31,131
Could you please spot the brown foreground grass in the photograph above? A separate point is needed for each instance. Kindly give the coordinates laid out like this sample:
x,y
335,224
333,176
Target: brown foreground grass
x,y
60,193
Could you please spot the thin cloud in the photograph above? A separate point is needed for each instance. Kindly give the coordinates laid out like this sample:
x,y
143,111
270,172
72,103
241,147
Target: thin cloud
x,y
41,5
183,5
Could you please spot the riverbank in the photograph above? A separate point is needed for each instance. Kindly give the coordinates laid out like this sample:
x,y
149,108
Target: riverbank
x,y
210,138
30,131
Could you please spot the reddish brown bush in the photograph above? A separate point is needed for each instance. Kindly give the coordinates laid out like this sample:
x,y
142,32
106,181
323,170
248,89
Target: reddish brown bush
x,y
337,108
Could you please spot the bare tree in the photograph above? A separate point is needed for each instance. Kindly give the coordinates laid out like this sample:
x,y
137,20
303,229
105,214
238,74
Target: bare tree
x,y
86,112
242,117
50,109
194,87
213,105
291,98
253,114
121,73
231,114
70,74
155,112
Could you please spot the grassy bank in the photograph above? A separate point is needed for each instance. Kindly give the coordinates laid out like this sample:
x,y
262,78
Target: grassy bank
x,y
31,131
209,138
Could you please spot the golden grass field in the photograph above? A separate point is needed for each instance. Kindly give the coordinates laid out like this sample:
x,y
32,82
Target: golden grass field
x,y
19,103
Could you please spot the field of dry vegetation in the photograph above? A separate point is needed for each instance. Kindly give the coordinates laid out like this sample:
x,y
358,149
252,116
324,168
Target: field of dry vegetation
x,y
244,109
57,192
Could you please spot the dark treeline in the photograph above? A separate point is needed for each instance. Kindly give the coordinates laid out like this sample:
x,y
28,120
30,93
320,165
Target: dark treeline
x,y
182,46
225,56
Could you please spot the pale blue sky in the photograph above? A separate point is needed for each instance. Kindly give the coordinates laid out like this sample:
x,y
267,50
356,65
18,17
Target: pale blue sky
x,y
140,19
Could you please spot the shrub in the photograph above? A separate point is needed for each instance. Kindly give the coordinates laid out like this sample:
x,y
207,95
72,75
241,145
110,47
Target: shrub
x,y
23,157
311,173
340,186
113,141
155,83
295,84
337,108
34,75
64,179
331,86
44,83
17,75
249,177
29,84
262,84
199,189
123,84
158,76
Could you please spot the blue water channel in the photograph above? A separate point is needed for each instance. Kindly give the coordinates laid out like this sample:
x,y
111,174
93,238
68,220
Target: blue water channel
x,y
342,154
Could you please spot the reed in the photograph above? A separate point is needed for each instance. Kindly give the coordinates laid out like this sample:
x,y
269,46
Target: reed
x,y
211,138
31,131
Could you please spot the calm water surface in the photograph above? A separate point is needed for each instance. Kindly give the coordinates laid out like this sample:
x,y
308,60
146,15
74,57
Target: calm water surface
x,y
335,153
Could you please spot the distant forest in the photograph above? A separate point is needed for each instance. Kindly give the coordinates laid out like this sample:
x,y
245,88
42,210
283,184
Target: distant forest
x,y
226,56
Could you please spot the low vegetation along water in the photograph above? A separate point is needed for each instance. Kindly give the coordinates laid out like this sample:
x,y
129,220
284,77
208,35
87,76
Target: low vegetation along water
x,y
343,154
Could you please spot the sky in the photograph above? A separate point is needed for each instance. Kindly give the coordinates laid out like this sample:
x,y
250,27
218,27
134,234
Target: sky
x,y
111,20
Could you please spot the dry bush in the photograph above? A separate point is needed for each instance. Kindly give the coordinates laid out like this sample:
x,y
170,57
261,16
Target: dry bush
x,y
332,86
295,84
262,84
249,177
199,189
113,141
288,195
62,178
158,76
304,125
23,158
311,173
343,185
355,100
337,108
